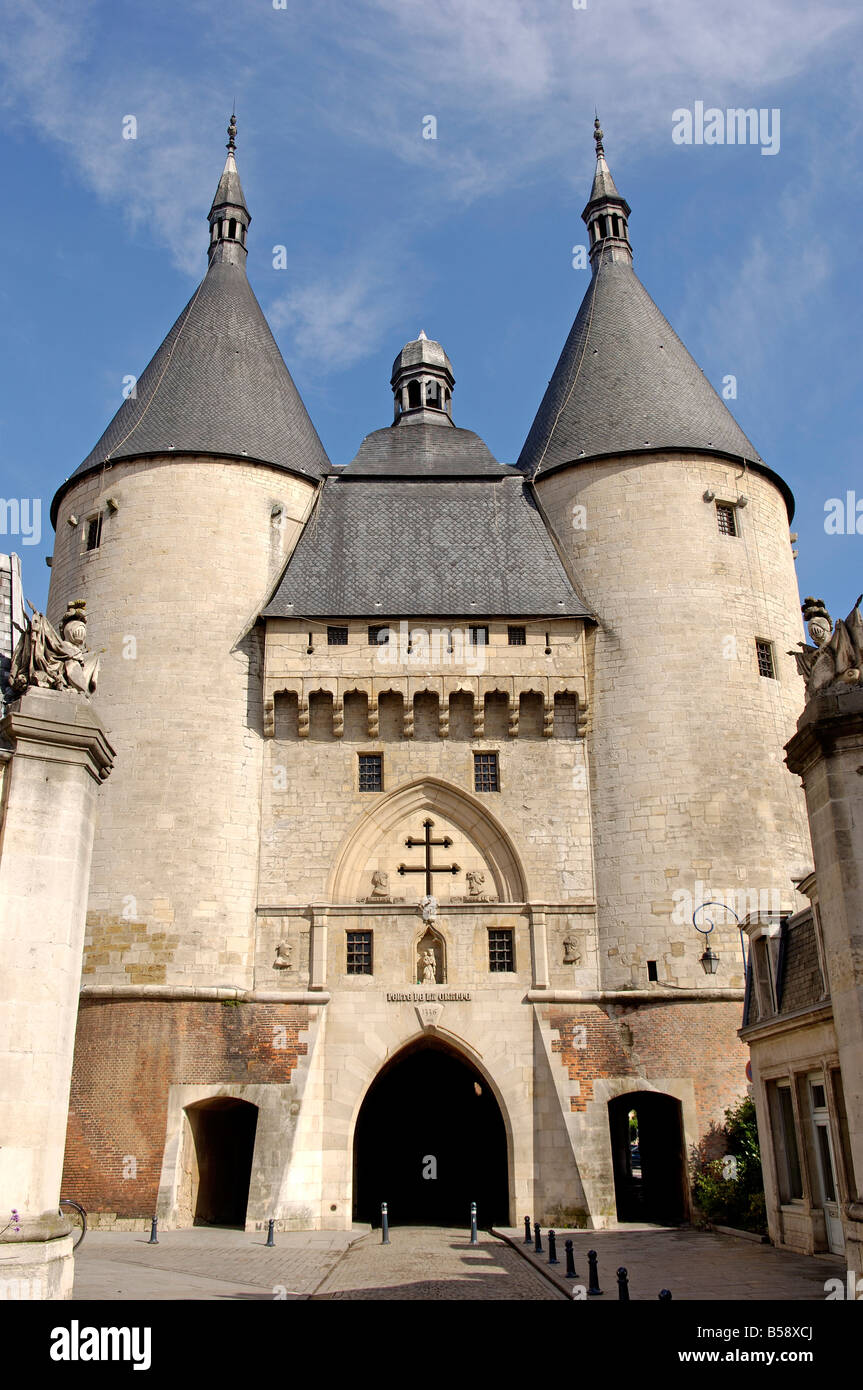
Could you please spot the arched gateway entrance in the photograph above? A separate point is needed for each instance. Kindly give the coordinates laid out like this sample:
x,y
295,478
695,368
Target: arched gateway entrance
x,y
429,1140
649,1160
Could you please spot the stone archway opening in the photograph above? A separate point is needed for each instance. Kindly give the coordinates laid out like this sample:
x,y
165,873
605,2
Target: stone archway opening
x,y
649,1157
221,1135
429,1140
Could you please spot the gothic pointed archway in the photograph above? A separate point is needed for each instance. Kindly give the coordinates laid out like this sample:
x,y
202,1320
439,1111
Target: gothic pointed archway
x,y
429,1140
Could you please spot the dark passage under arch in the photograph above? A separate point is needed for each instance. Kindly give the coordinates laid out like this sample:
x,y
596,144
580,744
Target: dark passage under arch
x,y
429,1140
223,1133
649,1158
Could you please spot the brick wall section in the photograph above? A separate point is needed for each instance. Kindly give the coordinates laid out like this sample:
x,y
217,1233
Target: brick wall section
x,y
802,982
668,1041
128,1053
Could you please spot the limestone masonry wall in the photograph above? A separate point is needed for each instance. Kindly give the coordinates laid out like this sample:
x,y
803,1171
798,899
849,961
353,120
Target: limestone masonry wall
x,y
689,791
184,564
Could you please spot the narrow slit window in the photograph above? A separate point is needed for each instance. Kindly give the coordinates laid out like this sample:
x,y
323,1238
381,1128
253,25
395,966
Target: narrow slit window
x,y
94,531
764,653
725,519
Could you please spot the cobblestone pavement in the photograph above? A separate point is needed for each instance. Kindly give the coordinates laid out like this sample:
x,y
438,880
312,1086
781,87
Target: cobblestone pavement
x,y
434,1264
692,1264
401,1270
206,1263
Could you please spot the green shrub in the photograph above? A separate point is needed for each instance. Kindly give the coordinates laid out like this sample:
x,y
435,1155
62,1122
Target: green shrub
x,y
738,1199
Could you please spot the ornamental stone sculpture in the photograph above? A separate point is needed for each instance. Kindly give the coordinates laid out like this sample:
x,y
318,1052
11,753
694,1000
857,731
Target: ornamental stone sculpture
x,y
429,965
834,661
428,907
284,956
52,660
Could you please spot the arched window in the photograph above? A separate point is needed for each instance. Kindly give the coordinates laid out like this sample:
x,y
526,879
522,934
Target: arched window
x,y
433,394
232,228
414,395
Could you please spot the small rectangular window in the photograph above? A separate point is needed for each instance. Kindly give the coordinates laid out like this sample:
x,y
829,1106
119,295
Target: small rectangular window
x,y
479,636
726,519
379,636
766,665
485,772
517,636
337,637
651,970
359,953
500,952
785,1142
371,772
94,531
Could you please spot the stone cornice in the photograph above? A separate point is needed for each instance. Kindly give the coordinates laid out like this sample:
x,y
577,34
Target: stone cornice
x,y
197,993
58,726
633,996
827,719
410,909
821,1012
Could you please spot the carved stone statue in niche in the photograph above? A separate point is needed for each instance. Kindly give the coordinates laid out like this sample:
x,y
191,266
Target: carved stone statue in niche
x,y
430,959
55,660
834,661
571,953
284,956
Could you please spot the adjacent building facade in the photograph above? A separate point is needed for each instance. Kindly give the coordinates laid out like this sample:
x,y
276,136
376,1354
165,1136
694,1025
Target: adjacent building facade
x,y
423,763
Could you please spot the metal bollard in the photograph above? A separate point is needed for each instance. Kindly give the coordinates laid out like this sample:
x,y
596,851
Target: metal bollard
x,y
385,1225
271,1226
623,1285
527,1235
473,1239
570,1259
664,1293
592,1274
154,1239
537,1243
552,1249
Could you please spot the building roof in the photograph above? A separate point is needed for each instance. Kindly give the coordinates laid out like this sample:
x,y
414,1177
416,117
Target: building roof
x,y
218,384
395,547
625,383
420,449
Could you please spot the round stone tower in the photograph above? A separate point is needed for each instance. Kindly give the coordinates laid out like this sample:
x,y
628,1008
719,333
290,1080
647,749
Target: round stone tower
x,y
174,529
678,533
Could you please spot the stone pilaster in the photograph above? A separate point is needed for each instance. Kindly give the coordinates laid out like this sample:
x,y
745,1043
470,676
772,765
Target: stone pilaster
x,y
57,754
827,752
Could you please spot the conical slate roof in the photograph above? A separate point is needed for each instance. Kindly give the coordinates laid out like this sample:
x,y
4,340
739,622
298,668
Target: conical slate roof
x,y
625,383
217,385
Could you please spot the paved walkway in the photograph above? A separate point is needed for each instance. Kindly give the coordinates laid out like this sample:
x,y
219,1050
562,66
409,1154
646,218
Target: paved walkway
x,y
206,1263
692,1264
401,1270
427,1264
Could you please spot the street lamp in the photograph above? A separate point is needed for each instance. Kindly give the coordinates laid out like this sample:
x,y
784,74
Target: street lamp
x,y
710,960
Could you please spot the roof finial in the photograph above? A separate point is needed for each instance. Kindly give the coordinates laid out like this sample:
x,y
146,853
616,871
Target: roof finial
x,y
597,135
422,337
232,133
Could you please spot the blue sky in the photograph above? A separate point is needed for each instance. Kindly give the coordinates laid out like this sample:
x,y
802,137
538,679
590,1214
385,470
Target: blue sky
x,y
753,258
